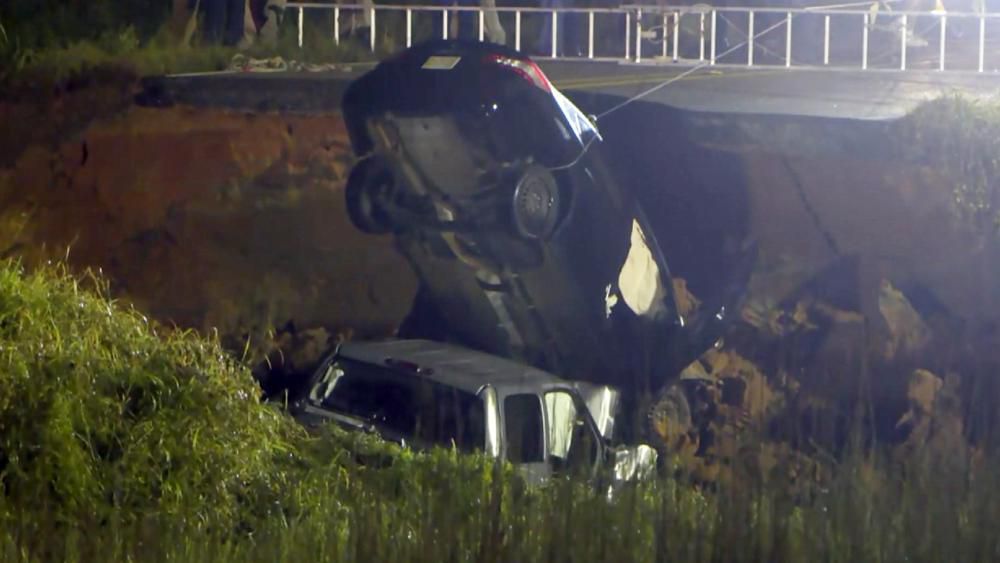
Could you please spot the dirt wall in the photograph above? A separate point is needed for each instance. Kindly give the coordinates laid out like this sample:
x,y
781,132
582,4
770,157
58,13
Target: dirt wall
x,y
208,219
811,193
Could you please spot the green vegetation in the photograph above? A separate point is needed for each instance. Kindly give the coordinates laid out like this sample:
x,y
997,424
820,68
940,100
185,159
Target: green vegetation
x,y
161,54
51,42
960,138
122,440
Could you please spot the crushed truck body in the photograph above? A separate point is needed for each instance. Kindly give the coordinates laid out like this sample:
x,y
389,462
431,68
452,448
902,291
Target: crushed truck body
x,y
423,394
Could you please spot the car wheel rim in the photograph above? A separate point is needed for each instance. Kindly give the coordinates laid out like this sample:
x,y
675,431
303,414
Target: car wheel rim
x,y
536,203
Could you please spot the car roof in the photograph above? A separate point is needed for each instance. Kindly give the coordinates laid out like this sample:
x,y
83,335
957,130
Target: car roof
x,y
454,366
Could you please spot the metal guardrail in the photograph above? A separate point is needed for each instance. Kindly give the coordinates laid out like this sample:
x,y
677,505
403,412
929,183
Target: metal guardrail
x,y
446,12
700,35
900,23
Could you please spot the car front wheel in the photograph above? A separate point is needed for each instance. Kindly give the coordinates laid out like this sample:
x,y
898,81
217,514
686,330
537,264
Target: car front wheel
x,y
536,203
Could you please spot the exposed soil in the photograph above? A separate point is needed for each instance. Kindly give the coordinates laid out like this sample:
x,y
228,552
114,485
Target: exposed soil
x,y
208,219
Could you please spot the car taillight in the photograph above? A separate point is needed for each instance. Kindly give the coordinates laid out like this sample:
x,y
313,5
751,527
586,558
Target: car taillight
x,y
526,69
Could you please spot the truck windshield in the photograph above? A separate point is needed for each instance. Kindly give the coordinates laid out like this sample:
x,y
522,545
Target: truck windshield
x,y
402,405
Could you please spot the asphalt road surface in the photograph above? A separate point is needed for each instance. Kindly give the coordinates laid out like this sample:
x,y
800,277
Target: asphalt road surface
x,y
867,95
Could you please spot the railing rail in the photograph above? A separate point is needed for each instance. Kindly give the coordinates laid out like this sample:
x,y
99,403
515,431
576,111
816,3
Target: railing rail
x,y
833,37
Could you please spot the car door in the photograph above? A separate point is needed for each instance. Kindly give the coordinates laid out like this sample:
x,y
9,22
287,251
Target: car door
x,y
573,442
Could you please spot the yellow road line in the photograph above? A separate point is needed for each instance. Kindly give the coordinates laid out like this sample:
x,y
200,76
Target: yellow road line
x,y
632,80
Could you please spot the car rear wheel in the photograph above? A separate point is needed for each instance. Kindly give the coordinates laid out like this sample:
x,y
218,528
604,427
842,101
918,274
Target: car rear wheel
x,y
367,190
536,203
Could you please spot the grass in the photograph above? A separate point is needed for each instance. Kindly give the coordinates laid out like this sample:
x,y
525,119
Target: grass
x,y
122,440
959,137
163,53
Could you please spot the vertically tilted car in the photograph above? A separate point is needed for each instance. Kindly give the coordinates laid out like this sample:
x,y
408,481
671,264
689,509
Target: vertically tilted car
x,y
491,181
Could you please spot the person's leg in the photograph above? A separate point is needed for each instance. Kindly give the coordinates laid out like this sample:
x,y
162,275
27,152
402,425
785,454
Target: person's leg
x,y
234,21
273,12
214,13
468,21
494,30
249,33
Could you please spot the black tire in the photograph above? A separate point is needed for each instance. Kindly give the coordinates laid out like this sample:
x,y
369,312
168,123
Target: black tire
x,y
367,187
669,422
535,205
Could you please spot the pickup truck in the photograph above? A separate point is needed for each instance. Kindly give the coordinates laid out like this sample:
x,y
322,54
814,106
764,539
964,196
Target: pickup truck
x,y
422,394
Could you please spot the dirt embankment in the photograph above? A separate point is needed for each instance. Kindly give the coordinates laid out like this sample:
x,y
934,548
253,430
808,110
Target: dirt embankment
x,y
205,218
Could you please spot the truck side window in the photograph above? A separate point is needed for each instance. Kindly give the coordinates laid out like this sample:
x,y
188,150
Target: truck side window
x,y
523,427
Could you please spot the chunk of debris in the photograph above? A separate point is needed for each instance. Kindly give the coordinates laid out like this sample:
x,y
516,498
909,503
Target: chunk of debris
x,y
294,354
932,429
907,331
687,303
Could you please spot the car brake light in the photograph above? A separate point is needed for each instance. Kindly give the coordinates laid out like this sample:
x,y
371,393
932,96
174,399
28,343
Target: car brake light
x,y
526,69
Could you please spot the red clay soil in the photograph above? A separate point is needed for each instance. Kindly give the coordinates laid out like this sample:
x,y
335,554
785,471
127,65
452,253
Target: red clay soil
x,y
208,219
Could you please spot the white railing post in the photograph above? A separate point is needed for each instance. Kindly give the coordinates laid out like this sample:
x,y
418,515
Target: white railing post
x,y
517,30
788,39
750,38
555,35
664,24
701,37
302,23
628,35
902,43
482,25
372,30
444,23
711,50
638,36
336,25
944,34
864,44
826,39
677,30
409,28
982,42
590,36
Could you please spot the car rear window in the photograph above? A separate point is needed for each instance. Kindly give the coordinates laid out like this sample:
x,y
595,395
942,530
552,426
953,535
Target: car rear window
x,y
403,405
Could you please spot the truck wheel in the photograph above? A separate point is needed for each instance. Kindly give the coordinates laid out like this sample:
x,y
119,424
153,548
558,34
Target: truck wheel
x,y
367,187
670,424
536,203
